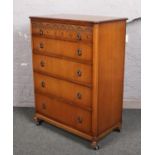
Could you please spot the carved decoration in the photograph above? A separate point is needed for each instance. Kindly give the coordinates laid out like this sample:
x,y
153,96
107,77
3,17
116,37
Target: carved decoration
x,y
58,26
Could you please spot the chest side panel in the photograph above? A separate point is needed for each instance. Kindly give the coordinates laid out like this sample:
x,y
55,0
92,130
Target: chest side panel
x,y
110,73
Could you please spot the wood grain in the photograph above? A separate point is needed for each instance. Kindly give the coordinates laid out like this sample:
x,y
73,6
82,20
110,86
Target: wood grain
x,y
61,88
62,31
63,48
111,71
87,103
63,126
63,113
66,69
95,82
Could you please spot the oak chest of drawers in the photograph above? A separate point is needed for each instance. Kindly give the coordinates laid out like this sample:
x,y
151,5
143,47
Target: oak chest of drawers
x,y
78,65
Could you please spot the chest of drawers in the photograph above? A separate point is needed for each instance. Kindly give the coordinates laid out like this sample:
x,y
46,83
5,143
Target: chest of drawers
x,y
78,66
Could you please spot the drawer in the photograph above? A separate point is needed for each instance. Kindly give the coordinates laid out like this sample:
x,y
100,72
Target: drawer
x,y
63,48
75,94
63,68
62,31
63,113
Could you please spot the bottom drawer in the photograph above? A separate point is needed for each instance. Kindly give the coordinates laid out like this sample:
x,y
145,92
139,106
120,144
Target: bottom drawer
x,y
64,113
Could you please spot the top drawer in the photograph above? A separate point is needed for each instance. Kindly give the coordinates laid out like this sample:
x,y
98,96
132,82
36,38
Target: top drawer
x,y
62,31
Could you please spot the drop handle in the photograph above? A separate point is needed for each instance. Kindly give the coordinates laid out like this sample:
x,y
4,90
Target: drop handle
x,y
79,95
41,45
78,36
79,52
43,84
42,63
41,32
79,119
79,73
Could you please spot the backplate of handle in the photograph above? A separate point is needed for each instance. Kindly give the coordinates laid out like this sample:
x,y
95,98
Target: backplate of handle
x,y
41,32
41,45
43,84
79,52
79,73
78,36
42,63
79,95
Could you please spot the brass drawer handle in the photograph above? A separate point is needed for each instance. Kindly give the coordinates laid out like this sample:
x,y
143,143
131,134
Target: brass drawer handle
x,y
79,73
43,84
79,52
42,63
41,32
79,96
43,106
79,119
41,45
78,36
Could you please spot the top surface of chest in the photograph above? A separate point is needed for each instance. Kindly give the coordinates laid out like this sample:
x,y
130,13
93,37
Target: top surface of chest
x,y
79,18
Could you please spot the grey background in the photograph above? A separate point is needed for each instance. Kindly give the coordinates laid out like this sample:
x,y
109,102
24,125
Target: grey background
x,y
23,82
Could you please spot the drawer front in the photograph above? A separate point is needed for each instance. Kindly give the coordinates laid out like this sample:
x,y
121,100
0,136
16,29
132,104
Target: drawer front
x,y
74,93
64,113
60,67
62,31
63,48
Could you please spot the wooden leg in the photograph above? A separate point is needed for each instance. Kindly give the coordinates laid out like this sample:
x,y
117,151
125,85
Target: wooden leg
x,y
118,129
94,145
37,121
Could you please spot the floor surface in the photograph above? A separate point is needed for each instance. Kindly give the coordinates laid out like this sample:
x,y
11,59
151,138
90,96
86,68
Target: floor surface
x,y
46,139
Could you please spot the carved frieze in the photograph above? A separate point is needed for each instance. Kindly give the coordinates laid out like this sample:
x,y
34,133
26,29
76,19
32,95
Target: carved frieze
x,y
59,26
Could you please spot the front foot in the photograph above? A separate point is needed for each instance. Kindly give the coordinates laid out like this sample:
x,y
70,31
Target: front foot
x,y
118,129
38,121
95,146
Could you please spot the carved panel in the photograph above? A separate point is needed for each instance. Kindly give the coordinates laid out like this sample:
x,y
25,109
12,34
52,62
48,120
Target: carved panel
x,y
66,27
